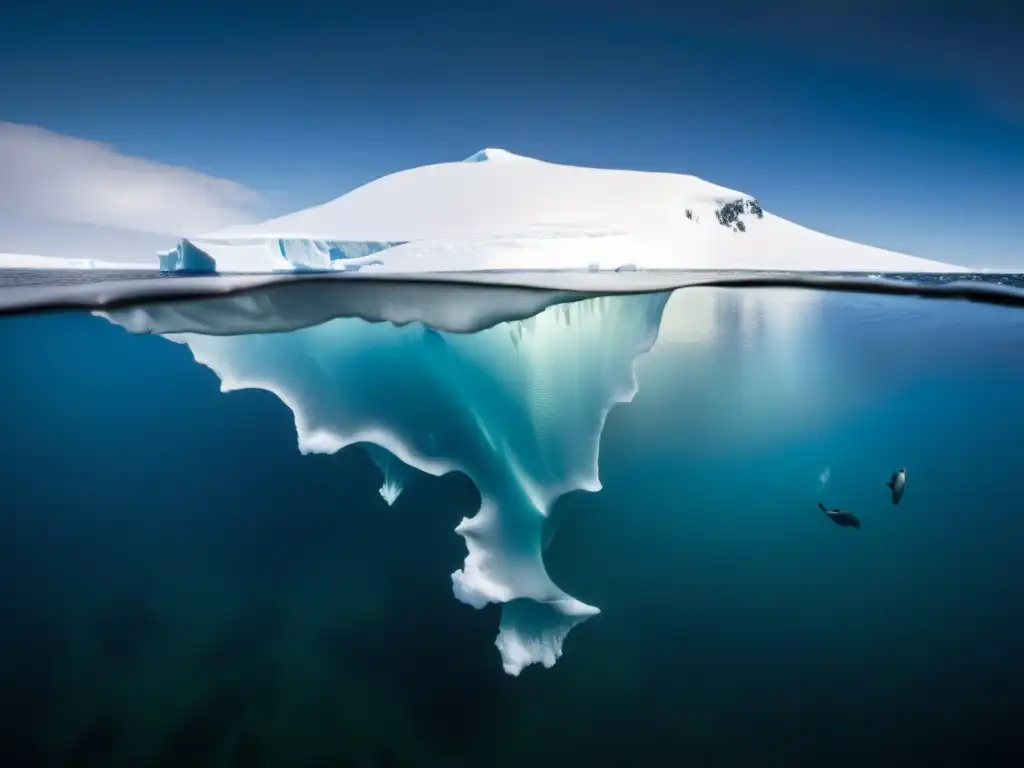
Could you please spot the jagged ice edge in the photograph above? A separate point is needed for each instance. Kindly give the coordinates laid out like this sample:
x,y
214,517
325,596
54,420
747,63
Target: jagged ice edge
x,y
518,648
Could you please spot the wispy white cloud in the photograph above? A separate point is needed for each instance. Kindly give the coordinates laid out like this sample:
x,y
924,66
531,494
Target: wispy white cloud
x,y
47,177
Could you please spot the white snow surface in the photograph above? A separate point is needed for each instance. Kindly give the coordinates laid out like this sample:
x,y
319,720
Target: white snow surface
x,y
498,210
30,261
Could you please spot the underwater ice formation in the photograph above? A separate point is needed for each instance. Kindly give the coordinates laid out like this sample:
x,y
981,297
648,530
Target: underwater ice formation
x,y
280,303
397,475
518,407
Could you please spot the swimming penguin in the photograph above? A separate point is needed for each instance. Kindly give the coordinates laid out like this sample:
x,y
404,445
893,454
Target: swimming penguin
x,y
897,484
840,517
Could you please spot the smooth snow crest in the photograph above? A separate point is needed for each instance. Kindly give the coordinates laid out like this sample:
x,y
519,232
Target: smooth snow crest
x,y
491,155
500,194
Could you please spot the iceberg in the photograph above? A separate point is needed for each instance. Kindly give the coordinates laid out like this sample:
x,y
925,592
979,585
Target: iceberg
x,y
185,257
275,254
518,407
499,210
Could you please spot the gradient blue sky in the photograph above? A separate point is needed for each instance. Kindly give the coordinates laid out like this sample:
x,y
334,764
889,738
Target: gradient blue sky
x,y
899,124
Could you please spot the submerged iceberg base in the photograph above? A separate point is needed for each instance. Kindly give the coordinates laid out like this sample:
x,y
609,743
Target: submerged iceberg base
x,y
532,632
519,408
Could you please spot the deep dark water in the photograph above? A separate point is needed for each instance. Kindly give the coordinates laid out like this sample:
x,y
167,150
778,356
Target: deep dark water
x,y
180,587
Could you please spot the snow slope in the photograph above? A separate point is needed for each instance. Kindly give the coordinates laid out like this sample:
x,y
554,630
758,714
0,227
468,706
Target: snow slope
x,y
497,210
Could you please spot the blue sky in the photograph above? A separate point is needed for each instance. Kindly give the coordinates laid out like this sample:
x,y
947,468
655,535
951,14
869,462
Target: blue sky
x,y
899,123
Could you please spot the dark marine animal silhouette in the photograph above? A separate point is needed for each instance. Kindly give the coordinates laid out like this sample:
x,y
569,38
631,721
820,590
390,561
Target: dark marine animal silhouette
x,y
897,484
841,517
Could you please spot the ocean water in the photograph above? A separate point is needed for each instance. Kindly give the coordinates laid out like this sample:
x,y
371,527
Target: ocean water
x,y
180,585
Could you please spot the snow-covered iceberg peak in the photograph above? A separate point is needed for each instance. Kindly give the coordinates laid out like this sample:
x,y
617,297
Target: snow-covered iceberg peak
x,y
499,210
519,407
493,155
